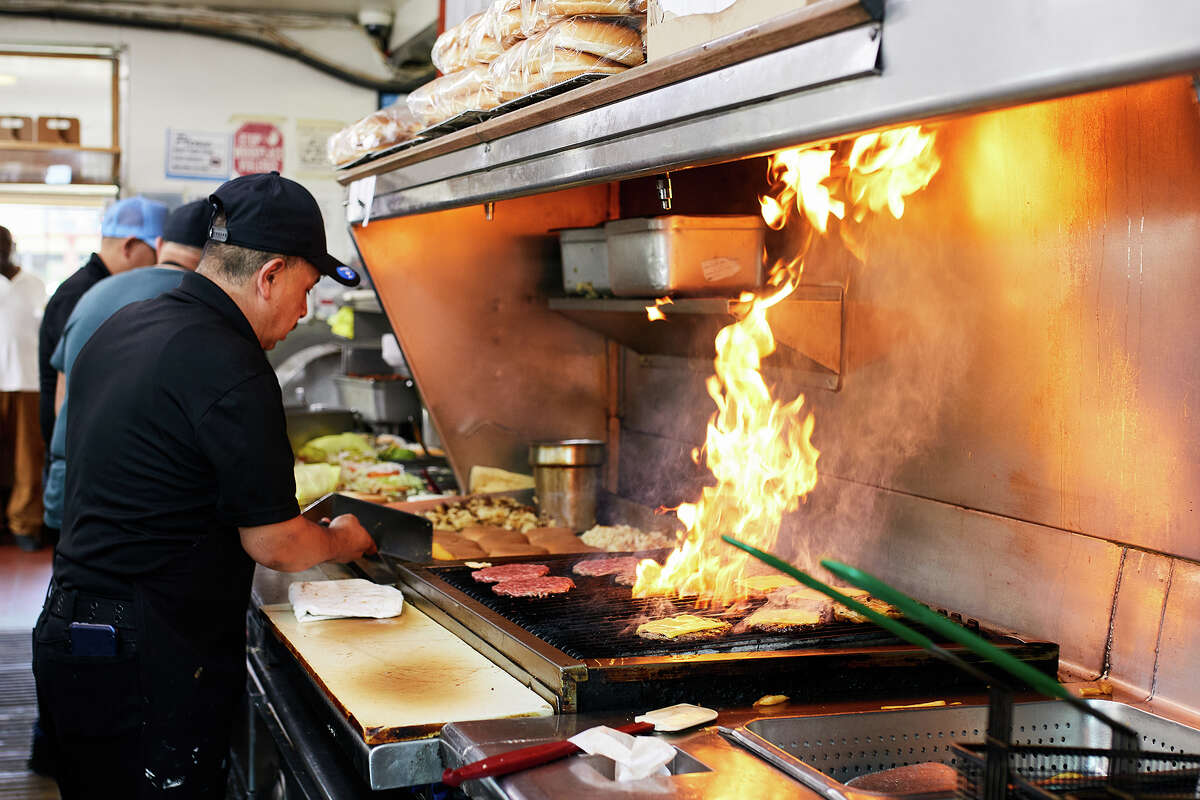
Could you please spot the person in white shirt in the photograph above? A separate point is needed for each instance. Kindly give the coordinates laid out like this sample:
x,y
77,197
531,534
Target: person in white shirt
x,y
22,295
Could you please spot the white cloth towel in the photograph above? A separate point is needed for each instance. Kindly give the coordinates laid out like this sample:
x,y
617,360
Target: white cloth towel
x,y
354,597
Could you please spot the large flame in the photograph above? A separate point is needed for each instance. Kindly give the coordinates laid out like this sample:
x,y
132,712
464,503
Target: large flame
x,y
760,449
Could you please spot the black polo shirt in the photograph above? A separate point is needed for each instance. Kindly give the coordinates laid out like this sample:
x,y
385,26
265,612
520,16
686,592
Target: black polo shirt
x,y
181,441
54,320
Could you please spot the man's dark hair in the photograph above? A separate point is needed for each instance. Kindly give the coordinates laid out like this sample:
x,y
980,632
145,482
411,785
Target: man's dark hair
x,y
235,263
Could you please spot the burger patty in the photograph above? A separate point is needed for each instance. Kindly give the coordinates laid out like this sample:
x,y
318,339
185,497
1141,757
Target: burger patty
x,y
534,587
606,566
506,572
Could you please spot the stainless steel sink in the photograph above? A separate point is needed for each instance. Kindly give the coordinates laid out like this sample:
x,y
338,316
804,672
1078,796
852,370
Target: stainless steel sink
x,y
824,752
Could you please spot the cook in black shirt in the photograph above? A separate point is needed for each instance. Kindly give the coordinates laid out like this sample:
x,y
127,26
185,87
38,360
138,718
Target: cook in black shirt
x,y
179,478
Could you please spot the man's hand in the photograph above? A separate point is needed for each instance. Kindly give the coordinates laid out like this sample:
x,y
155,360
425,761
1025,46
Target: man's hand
x,y
298,544
351,538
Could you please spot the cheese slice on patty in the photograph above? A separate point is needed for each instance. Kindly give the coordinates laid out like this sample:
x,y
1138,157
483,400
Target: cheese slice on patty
x,y
778,619
673,627
768,583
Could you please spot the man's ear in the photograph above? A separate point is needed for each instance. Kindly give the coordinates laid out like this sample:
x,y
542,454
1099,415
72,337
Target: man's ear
x,y
129,246
267,276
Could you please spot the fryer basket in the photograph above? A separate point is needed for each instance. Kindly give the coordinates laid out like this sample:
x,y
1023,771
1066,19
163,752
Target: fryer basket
x,y
1045,772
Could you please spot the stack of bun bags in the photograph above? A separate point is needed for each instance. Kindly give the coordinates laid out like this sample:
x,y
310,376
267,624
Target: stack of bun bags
x,y
517,47
376,131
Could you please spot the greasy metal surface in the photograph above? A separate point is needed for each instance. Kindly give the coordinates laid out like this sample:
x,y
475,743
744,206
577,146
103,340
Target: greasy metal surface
x,y
837,748
312,723
939,57
1175,658
1137,619
465,297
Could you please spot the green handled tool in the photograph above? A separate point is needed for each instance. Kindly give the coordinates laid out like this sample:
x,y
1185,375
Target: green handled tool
x,y
1124,738
917,612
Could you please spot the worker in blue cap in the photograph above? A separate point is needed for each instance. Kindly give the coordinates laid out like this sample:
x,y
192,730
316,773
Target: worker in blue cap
x,y
129,235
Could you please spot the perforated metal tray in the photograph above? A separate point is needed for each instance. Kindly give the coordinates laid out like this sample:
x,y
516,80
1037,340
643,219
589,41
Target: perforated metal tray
x,y
826,751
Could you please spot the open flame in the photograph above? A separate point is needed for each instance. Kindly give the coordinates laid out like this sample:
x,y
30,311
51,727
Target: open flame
x,y
760,449
653,311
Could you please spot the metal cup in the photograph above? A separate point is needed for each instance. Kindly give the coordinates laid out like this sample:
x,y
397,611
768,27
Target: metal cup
x,y
566,477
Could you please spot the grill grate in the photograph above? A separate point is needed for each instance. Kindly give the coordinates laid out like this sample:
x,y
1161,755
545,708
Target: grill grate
x,y
599,618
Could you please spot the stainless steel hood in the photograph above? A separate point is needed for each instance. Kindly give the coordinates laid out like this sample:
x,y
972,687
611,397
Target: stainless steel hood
x,y
927,59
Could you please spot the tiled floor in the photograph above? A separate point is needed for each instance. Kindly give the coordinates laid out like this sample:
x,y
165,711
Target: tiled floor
x,y
23,579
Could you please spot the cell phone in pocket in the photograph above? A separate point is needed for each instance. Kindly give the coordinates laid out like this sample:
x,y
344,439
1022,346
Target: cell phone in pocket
x,y
90,639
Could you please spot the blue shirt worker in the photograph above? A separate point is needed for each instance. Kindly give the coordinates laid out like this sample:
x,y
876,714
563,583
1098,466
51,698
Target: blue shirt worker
x,y
179,479
179,249
128,238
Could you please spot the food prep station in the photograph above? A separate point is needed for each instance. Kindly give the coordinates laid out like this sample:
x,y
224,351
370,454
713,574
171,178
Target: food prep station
x,y
1039,493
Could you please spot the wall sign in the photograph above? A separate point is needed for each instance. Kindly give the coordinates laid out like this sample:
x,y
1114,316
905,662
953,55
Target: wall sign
x,y
312,135
197,154
257,147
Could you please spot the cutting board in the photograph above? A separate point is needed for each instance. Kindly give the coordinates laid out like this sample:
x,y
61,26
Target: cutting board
x,y
401,678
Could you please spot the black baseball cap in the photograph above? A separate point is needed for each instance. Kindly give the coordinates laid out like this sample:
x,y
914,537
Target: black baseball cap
x,y
188,224
271,213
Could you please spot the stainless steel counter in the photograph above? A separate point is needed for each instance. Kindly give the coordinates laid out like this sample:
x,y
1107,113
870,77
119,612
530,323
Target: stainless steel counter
x,y
707,766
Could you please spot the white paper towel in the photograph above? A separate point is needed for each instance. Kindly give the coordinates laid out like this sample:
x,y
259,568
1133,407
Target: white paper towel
x,y
354,597
637,757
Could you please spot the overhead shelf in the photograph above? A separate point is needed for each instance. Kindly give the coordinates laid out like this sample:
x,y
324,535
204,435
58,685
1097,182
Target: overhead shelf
x,y
927,59
808,329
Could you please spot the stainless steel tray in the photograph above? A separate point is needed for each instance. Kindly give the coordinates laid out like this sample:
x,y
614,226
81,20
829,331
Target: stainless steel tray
x,y
825,751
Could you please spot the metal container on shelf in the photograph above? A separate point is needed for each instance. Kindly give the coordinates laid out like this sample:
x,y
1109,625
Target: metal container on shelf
x,y
676,254
383,399
584,260
566,478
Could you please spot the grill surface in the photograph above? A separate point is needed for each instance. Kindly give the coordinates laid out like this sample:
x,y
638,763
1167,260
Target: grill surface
x,y
599,619
581,649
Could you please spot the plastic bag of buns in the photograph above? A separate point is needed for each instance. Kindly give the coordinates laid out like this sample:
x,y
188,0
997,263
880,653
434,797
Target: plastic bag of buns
x,y
570,47
450,95
616,39
451,49
383,128
536,15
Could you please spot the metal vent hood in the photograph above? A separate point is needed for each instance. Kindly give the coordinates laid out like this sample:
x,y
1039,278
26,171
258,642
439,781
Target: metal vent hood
x,y
926,59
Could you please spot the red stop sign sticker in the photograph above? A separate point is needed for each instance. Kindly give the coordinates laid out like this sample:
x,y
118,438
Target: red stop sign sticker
x,y
257,147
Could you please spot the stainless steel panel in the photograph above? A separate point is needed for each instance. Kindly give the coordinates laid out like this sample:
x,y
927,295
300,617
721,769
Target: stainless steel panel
x,y
941,57
1009,573
1137,620
497,368
1177,654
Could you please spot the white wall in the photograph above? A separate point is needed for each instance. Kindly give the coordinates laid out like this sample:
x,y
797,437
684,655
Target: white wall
x,y
176,80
